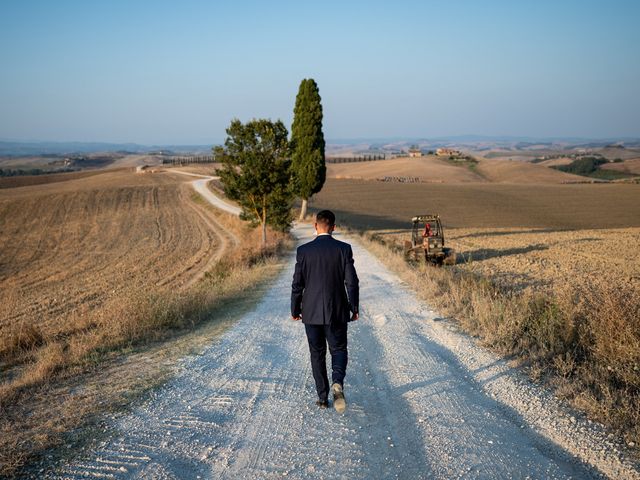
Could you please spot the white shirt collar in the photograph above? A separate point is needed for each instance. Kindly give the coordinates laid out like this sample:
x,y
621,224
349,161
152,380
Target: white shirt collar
x,y
320,234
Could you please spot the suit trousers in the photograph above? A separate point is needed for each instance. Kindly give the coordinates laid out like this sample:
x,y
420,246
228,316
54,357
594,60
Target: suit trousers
x,y
318,337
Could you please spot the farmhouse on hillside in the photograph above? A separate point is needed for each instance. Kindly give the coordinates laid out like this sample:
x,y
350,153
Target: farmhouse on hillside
x,y
415,152
448,152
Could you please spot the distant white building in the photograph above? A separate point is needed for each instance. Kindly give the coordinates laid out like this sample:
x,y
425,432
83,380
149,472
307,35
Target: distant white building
x,y
448,152
415,152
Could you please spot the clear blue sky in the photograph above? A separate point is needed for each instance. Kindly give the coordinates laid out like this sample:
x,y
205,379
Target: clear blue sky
x,y
178,72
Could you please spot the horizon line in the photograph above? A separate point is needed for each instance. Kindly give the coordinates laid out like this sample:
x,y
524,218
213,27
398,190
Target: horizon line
x,y
338,140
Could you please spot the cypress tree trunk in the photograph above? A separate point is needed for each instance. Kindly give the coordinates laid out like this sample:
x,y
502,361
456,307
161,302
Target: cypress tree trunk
x,y
303,210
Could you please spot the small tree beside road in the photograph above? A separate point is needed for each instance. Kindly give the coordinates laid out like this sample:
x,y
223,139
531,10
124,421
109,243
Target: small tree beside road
x,y
255,172
308,170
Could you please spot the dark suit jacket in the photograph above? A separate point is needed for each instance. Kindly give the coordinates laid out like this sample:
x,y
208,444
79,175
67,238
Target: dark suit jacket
x,y
325,283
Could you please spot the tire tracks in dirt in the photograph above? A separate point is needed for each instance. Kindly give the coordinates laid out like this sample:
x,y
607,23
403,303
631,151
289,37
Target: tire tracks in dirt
x,y
86,247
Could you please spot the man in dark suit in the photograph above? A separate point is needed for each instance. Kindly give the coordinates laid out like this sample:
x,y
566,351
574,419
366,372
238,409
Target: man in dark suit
x,y
324,295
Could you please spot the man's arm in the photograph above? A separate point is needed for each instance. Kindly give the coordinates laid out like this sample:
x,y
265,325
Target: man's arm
x,y
297,287
352,283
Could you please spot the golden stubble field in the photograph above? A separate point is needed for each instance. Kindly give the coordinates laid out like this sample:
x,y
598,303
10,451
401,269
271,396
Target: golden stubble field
x,y
544,260
69,247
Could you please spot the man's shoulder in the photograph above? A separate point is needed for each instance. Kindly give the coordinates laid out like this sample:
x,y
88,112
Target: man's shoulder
x,y
305,247
343,245
333,241
323,242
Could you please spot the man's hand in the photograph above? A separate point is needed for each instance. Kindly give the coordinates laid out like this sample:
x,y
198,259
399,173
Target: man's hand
x,y
295,319
355,316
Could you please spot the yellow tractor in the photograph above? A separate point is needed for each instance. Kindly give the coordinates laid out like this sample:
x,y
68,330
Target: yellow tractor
x,y
427,241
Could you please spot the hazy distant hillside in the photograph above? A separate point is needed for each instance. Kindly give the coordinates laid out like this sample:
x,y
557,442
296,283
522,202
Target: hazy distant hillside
x,y
498,146
343,147
57,148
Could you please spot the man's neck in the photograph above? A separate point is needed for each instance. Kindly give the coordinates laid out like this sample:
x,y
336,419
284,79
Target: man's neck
x,y
324,233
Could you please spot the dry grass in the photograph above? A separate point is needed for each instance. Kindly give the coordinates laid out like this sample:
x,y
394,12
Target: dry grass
x,y
584,338
62,346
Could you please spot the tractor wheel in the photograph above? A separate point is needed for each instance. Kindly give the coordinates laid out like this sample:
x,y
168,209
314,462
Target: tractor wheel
x,y
430,260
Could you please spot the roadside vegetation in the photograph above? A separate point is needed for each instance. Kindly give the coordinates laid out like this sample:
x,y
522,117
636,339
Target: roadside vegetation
x,y
583,339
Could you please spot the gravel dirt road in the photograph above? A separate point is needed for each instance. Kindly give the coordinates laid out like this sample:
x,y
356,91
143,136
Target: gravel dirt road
x,y
200,186
424,401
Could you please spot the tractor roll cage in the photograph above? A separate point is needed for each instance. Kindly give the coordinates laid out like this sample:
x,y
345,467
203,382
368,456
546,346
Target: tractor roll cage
x,y
436,225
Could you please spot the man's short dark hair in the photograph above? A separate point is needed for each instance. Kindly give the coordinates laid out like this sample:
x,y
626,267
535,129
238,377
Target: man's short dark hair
x,y
326,217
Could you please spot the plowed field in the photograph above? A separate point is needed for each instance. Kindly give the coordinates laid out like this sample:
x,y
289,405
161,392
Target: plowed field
x,y
383,205
70,246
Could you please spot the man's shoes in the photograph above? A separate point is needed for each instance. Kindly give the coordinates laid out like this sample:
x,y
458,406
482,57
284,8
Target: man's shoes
x,y
322,403
339,402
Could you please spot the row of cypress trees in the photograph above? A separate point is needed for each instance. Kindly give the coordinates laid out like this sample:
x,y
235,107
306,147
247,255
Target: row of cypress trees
x,y
263,171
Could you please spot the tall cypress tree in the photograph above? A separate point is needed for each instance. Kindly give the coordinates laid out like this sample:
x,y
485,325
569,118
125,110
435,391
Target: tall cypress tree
x,y
308,170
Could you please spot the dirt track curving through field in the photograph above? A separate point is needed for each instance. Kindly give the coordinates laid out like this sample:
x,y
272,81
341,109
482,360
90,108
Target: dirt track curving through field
x,y
226,237
424,402
200,186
